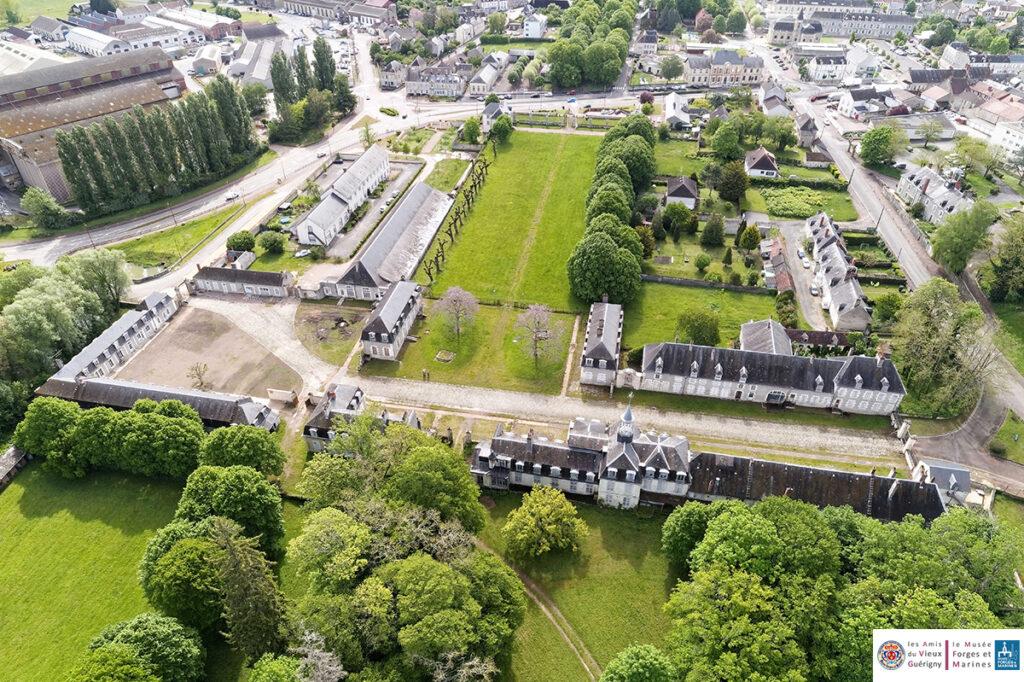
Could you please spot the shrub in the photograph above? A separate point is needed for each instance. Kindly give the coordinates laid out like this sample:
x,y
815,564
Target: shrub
x,y
635,355
647,108
917,210
997,447
271,242
735,278
702,261
242,241
388,111
713,277
793,202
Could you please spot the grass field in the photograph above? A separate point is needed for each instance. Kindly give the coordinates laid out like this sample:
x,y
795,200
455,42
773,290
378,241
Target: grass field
x,y
275,262
525,223
652,317
1010,510
518,45
69,554
1013,426
677,157
167,246
1010,339
328,331
486,355
612,591
446,173
687,249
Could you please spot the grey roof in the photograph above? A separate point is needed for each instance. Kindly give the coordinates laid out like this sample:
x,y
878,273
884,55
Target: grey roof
x,y
827,59
946,474
871,371
338,399
213,408
683,186
868,17
698,61
603,332
346,187
47,24
813,337
805,122
397,302
72,70
862,94
255,277
765,336
761,159
254,30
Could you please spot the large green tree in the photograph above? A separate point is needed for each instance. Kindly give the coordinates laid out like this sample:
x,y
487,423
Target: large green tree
x,y
435,477
185,584
962,234
545,521
640,663
599,266
734,183
174,651
324,66
331,549
246,445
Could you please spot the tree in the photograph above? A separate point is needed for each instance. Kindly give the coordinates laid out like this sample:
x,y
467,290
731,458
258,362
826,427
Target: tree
x,y
608,200
750,238
434,477
713,234
366,136
174,651
624,236
303,74
254,608
114,663
646,235
238,493
317,663
887,307
638,156
535,329
671,67
43,209
944,354
344,101
685,527
502,129
249,446
197,373
459,308
324,67
317,107
242,240
734,183
727,258
876,146
545,521
679,219
271,242
491,99
779,130
100,271
601,63
999,45
703,21
910,8
640,663
726,143
566,59
718,24
712,174
956,239
930,130
598,266
331,549
471,130
285,89
184,583
698,326
47,428
702,261
736,21
496,23
271,668
255,96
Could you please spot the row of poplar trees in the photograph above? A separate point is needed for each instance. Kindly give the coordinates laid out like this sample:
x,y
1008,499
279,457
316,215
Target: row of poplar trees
x,y
146,155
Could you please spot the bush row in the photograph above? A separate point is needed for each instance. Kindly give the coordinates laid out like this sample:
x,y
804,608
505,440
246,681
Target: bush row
x,y
813,183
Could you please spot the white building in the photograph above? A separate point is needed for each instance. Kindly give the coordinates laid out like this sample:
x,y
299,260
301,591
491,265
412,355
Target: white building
x,y
761,163
940,197
535,25
340,201
826,69
601,345
389,324
95,44
1009,136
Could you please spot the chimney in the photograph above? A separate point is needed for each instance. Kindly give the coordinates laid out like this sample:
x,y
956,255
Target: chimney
x,y
604,298
331,395
924,188
529,442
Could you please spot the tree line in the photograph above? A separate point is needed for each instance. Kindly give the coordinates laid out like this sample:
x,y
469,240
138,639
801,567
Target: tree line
x,y
146,155
607,259
49,314
304,96
783,590
593,43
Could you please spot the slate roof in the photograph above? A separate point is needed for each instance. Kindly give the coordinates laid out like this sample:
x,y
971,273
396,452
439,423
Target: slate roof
x,y
338,399
761,159
603,327
46,24
683,186
347,186
698,62
805,122
254,30
81,68
871,371
254,277
392,308
765,336
946,473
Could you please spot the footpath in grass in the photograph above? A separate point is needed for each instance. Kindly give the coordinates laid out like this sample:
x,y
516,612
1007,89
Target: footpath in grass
x,y
170,244
525,222
69,555
611,591
446,173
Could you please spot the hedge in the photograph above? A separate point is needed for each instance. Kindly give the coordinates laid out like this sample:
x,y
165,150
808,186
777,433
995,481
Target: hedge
x,y
872,278
813,183
860,238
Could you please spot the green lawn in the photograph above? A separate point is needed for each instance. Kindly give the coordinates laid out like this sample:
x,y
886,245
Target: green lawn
x,y
415,138
612,591
982,186
652,317
69,555
446,173
1010,510
525,223
891,171
519,45
275,262
677,157
539,654
753,200
486,355
1013,426
804,172
1010,339
168,245
688,248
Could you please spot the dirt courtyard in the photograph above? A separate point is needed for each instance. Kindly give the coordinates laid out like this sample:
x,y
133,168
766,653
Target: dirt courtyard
x,y
235,362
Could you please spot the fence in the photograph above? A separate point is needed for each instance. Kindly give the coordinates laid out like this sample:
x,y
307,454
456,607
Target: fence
x,y
685,282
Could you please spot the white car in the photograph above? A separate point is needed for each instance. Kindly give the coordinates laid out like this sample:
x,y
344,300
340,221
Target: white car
x,y
321,155
807,264
230,196
800,253
814,290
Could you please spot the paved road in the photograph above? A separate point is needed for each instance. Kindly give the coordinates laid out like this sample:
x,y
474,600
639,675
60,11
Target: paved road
x,y
792,239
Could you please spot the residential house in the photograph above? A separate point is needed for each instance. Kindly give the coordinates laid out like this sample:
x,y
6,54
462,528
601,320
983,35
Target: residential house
x,y
836,276
788,30
773,106
483,82
815,159
683,190
534,26
760,163
237,281
435,81
1009,136
492,112
338,401
939,197
770,89
343,197
806,130
863,24
437,45
950,9
646,43
392,75
602,344
389,324
725,68
826,69
49,28
675,111
859,102
867,68
936,97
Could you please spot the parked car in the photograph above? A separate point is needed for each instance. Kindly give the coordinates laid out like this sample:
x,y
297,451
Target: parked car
x,y
806,264
321,155
814,290
535,95
302,253
230,196
800,253
900,166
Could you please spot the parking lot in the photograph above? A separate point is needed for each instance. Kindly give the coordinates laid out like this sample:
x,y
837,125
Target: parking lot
x,y
792,239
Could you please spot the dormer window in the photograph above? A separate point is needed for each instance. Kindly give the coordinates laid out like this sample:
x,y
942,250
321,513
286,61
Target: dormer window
x,y
858,381
743,375
536,470
650,472
819,384
630,476
718,372
574,474
590,362
519,466
556,472
658,365
663,474
602,364
384,338
373,336
590,477
694,368
885,385
612,472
